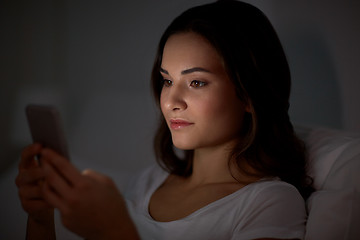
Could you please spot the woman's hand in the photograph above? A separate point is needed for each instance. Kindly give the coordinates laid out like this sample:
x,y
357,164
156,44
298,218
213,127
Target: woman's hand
x,y
89,202
30,181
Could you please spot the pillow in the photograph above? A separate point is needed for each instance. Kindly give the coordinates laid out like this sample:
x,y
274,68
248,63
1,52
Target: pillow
x,y
334,164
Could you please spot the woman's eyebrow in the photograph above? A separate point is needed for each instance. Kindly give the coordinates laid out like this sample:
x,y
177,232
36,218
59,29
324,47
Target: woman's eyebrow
x,y
164,71
188,71
195,69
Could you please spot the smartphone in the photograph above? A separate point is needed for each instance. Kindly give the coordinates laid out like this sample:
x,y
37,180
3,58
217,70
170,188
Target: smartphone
x,y
46,127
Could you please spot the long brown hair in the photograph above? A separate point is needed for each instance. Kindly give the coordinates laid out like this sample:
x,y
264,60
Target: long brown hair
x,y
257,65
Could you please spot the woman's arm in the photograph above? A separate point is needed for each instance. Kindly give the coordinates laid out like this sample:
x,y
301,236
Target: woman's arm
x,y
44,229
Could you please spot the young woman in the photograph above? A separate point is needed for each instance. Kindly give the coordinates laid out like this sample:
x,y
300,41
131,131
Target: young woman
x,y
222,83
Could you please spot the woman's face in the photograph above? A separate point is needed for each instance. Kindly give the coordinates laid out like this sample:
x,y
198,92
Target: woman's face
x,y
198,100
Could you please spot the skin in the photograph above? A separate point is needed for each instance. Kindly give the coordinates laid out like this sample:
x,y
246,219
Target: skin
x,y
89,202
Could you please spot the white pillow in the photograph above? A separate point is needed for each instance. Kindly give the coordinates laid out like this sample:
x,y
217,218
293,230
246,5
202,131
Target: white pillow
x,y
334,164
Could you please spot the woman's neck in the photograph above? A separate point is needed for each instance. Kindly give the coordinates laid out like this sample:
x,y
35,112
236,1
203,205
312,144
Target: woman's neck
x,y
211,165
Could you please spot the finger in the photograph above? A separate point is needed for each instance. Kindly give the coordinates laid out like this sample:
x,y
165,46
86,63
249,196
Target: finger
x,y
28,155
52,198
97,176
29,176
34,205
30,192
56,181
62,165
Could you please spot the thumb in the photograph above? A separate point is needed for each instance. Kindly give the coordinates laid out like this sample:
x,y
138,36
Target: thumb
x,y
99,177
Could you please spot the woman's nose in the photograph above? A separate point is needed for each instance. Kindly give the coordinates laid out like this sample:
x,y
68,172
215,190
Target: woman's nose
x,y
174,99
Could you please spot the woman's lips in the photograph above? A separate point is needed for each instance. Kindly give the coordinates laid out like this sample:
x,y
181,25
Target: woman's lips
x,y
179,123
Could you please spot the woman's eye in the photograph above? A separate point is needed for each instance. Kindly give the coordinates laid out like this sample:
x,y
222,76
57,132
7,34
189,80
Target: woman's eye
x,y
167,82
197,83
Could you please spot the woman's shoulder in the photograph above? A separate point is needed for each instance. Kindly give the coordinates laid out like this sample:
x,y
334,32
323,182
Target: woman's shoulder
x,y
274,196
273,184
274,189
271,208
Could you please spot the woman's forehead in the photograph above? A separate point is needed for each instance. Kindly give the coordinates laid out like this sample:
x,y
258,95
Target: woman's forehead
x,y
189,50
